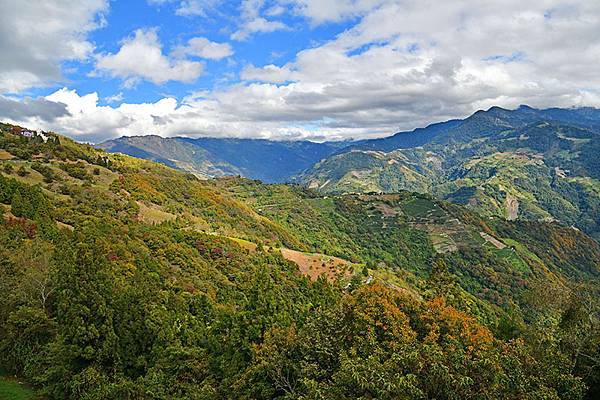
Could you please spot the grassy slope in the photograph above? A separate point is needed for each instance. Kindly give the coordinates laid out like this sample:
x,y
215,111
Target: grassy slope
x,y
11,389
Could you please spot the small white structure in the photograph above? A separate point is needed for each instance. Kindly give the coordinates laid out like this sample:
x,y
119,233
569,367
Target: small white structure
x,y
31,134
44,137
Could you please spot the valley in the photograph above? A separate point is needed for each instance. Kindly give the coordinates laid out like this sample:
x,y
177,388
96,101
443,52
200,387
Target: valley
x,y
526,163
270,161
201,274
299,200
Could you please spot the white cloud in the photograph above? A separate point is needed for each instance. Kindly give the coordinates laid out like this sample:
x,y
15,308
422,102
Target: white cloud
x,y
406,64
256,25
321,11
401,64
191,8
251,19
203,114
253,22
90,122
204,48
35,37
116,98
269,73
39,109
275,11
141,57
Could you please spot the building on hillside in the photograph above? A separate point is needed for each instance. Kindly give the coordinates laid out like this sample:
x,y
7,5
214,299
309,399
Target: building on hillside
x,y
31,134
43,136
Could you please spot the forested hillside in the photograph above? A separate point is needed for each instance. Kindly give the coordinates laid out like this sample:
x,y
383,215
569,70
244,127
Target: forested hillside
x,y
126,279
525,164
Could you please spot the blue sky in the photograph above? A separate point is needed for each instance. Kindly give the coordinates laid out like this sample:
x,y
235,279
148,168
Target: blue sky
x,y
288,69
217,25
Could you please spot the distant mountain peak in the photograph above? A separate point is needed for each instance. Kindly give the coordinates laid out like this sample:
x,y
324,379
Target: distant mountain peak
x,y
497,108
524,107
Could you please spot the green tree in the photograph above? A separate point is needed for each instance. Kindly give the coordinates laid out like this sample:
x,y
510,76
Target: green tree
x,y
86,342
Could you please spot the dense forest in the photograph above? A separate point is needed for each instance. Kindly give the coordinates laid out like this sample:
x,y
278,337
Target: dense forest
x,y
126,279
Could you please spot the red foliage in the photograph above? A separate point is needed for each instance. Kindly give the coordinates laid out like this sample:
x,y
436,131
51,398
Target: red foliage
x,y
28,227
201,247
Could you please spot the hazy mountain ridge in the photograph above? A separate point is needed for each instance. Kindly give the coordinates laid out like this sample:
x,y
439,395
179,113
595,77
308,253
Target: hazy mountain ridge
x,y
270,161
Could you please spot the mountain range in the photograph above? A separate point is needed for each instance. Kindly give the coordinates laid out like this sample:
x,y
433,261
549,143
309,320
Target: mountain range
x,y
531,164
269,161
126,278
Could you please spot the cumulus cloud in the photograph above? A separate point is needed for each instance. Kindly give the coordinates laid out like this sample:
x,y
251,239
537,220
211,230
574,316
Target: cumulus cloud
x,y
204,48
93,123
253,22
405,64
269,73
189,8
400,65
141,57
35,37
321,11
195,7
201,114
39,109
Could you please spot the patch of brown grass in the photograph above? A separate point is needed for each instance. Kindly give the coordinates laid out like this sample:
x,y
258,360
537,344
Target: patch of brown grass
x,y
315,265
5,155
153,214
